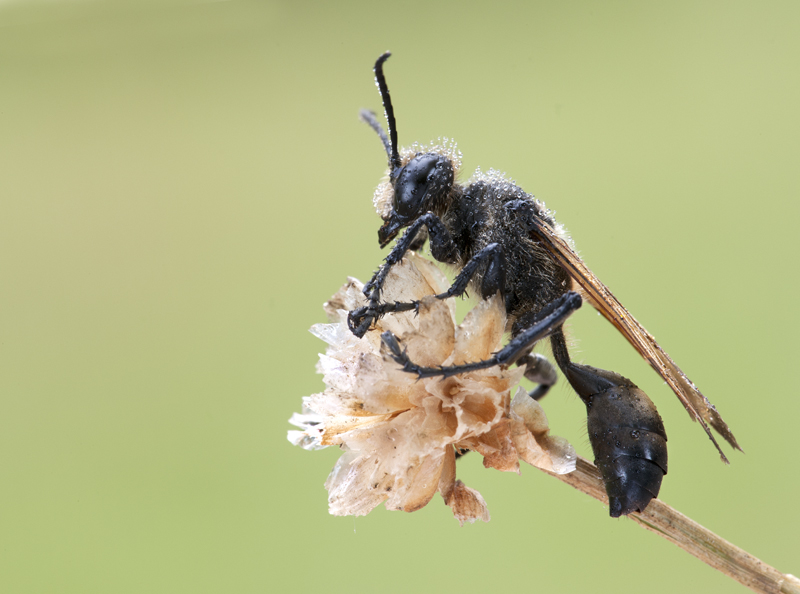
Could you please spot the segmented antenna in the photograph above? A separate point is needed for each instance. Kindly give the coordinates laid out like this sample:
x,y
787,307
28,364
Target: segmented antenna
x,y
394,156
368,117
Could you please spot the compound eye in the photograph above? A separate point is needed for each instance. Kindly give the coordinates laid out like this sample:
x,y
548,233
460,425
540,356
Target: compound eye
x,y
421,177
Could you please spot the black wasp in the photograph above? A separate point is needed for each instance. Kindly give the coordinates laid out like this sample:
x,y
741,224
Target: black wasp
x,y
503,239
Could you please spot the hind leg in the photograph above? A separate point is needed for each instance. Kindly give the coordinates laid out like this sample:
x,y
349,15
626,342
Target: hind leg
x,y
539,370
547,321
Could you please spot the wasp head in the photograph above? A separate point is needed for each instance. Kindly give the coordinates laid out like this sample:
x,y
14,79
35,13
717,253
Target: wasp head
x,y
417,184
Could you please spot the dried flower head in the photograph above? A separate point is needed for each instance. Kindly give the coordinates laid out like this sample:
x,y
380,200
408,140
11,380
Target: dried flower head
x,y
400,434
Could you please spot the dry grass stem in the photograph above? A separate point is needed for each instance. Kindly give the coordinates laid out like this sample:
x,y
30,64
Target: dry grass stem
x,y
691,537
399,435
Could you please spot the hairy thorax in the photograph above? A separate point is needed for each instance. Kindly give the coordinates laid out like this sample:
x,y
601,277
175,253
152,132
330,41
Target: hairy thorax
x,y
479,215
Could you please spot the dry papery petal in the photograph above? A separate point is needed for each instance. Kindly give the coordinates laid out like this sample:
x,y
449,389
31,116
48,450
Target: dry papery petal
x,y
467,504
398,433
530,434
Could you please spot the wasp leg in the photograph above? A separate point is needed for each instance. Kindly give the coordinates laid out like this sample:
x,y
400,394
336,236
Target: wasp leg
x,y
625,431
493,280
460,453
419,241
539,370
494,276
548,320
442,248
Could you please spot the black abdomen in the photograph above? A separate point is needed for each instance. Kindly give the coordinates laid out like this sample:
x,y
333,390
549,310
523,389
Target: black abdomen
x,y
626,433
630,447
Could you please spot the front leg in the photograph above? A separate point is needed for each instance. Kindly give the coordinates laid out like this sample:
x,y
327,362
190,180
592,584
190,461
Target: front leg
x,y
489,258
443,249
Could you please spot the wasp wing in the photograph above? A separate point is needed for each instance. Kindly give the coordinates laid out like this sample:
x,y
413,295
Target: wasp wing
x,y
697,405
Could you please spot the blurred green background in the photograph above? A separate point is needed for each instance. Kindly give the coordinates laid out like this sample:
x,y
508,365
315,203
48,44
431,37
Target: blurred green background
x,y
184,183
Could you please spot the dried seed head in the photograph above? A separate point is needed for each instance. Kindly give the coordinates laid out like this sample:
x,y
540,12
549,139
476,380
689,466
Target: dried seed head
x,y
400,434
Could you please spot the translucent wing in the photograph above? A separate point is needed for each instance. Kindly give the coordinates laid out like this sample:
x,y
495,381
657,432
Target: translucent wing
x,y
697,405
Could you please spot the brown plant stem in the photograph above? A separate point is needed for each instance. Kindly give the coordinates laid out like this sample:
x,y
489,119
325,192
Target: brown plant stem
x,y
691,537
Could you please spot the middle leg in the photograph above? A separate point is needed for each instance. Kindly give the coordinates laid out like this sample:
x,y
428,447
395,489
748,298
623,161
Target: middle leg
x,y
489,259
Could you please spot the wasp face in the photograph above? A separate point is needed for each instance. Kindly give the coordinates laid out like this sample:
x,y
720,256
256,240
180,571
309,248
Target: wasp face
x,y
418,186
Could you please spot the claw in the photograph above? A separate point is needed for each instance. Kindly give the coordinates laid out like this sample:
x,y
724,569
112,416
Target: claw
x,y
359,320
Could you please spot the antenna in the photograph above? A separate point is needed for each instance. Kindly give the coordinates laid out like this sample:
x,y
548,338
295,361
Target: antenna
x,y
394,156
368,117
